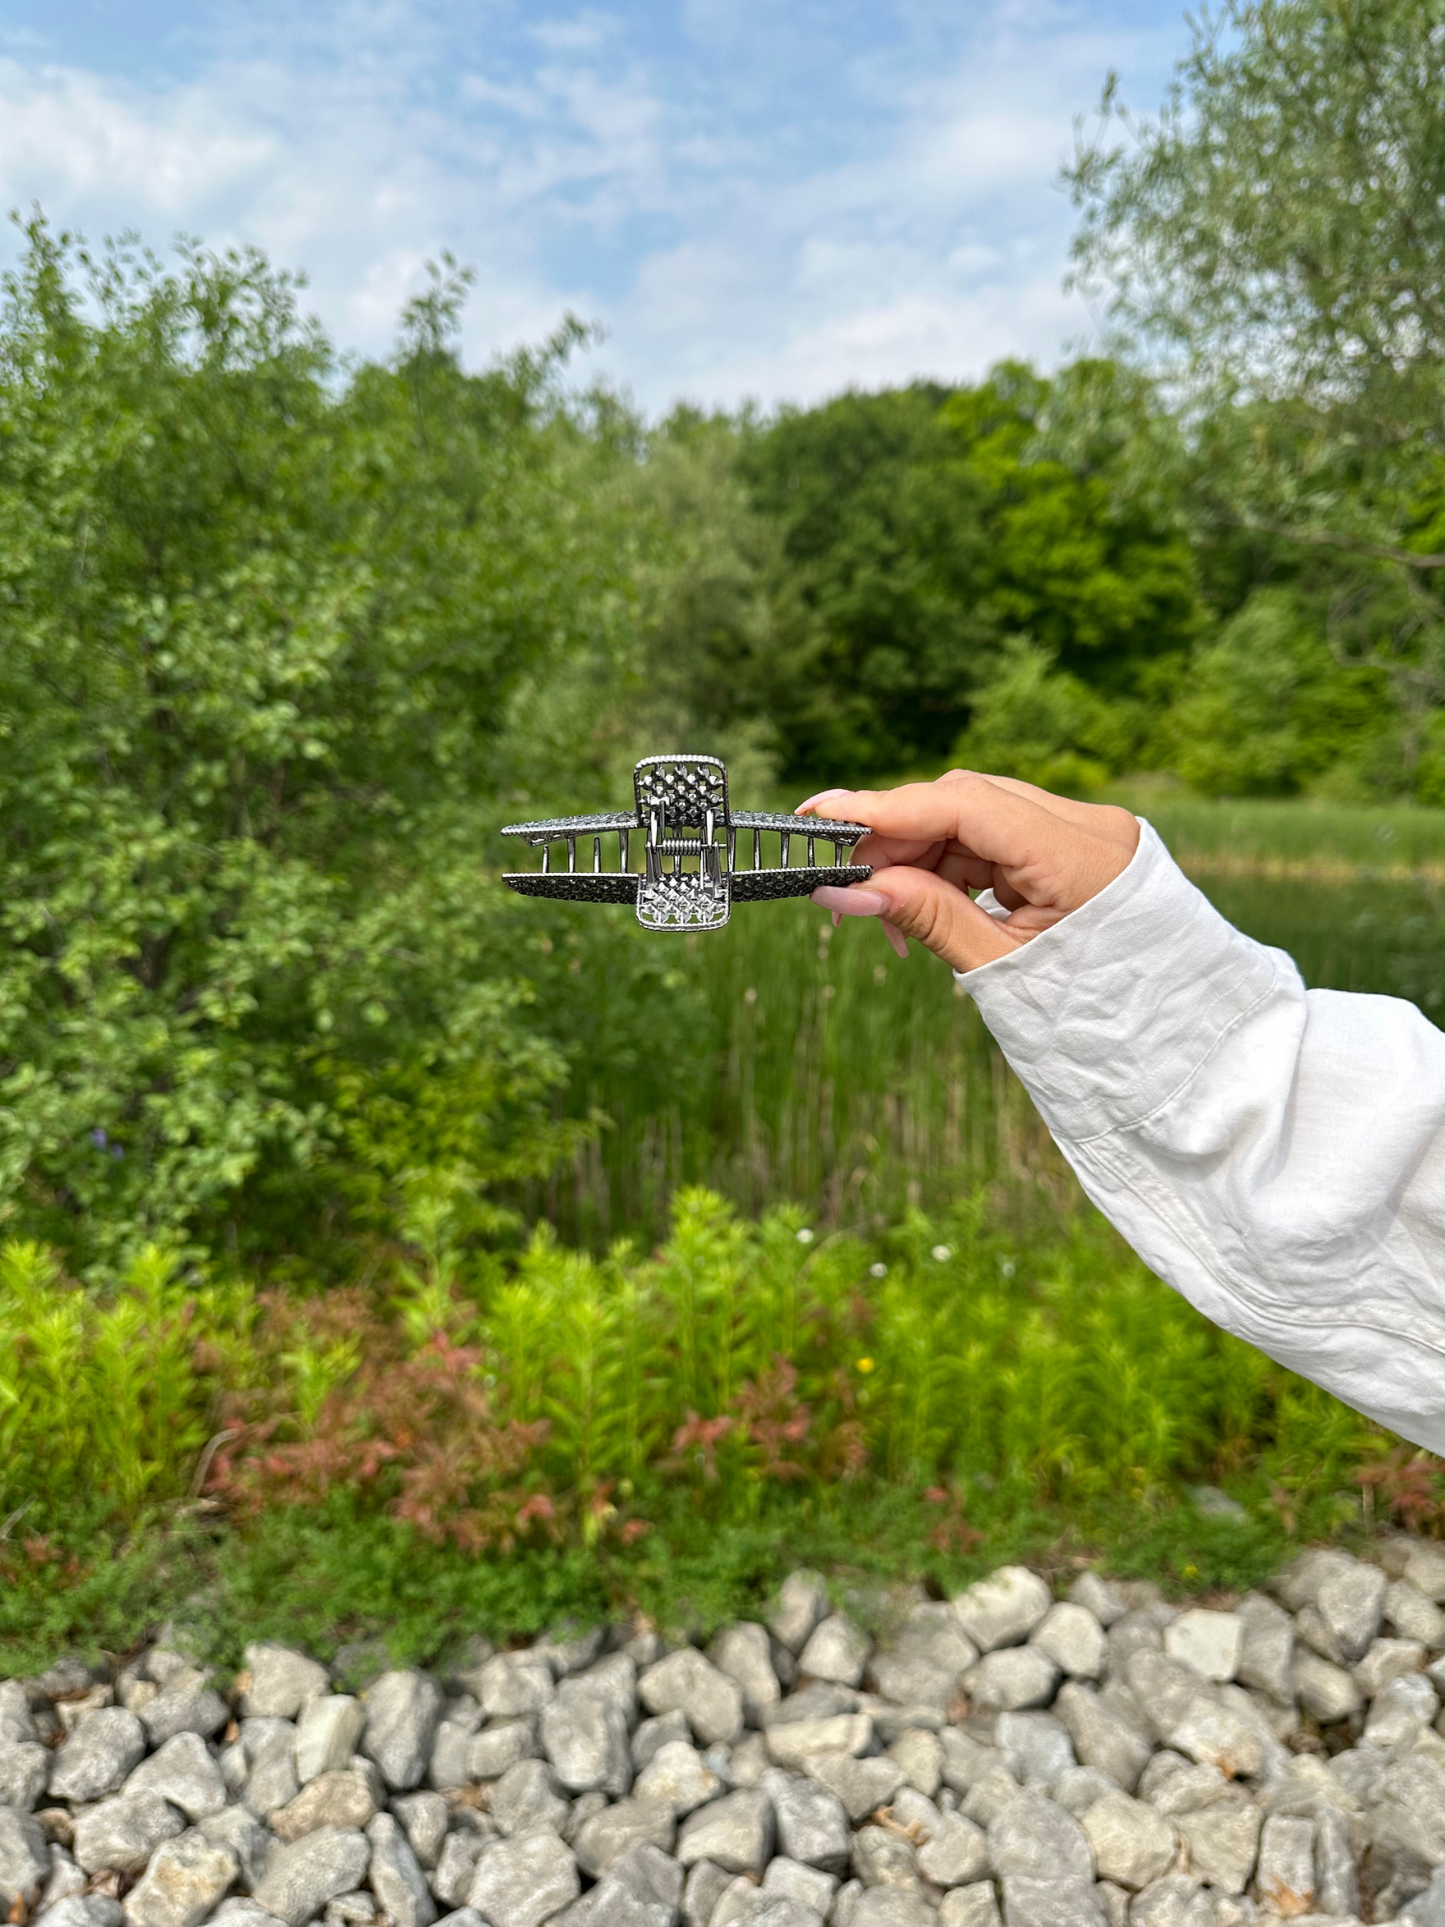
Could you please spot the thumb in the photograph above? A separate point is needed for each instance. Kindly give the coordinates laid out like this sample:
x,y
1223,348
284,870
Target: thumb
x,y
926,907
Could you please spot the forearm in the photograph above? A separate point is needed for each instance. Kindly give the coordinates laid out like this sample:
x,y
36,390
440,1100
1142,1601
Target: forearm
x,y
1277,1156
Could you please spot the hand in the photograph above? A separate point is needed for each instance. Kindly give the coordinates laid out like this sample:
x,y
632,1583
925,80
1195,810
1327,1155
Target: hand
x,y
930,844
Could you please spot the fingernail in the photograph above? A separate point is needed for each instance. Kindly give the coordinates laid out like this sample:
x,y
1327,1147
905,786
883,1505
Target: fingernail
x,y
896,937
821,797
850,903
837,916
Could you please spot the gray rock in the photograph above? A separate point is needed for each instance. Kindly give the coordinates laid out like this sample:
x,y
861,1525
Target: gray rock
x,y
1136,1632
1299,1584
184,1773
396,1878
65,1878
513,1684
735,1833
1177,1900
1400,1710
971,1906
456,1867
837,1650
643,1890
1162,1688
571,1648
816,1701
270,1748
920,1754
97,1756
242,1911
24,1858
791,1742
1133,1845
462,1917
1101,1738
801,1603
1014,1677
987,1798
184,1882
965,1759
447,1767
812,1825
689,1682
1051,1903
327,1735
120,1834
402,1714
1072,1638
1413,1616
187,1703
527,1796
1210,1642
1409,1821
1003,1609
17,1724
1387,1659
810,1885
301,1878
1266,1647
861,1785
706,1885
522,1882
1285,1873
745,1905
911,1679
1351,1601
883,1857
344,1800
613,1681
890,1907
1222,1841
1080,1787
744,1653
239,1831
1217,1735
1326,1692
609,1835
955,1854
424,1818
498,1749
1337,1882
85,1910
657,1732
282,1682
1036,1747
1427,1909
1098,1597
585,1738
1035,1838
24,1769
678,1774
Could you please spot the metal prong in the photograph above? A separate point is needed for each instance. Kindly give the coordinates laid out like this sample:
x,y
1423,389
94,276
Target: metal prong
x,y
786,842
757,849
732,848
546,858
596,856
812,863
624,839
571,855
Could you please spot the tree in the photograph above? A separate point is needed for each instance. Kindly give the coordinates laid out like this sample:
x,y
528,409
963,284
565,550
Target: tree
x,y
1275,243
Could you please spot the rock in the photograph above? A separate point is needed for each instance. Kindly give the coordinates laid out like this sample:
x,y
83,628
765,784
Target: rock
x,y
1215,1735
744,1653
522,1882
988,1797
97,1756
462,1917
24,1769
1035,1747
1337,1883
1035,1838
1003,1609
396,1878
1014,1677
955,1854
1222,1841
810,1885
119,1835
513,1684
1425,1570
735,1833
678,1774
403,1710
861,1785
184,1773
612,1681
187,1703
1409,1821
1401,1708
1266,1647
184,1882
965,1759
801,1603
687,1681
571,1648
642,1890
24,1859
424,1818
1177,1900
270,1749
1351,1601
241,1911
1413,1616
655,1733
706,1885
790,1743
1286,1871
282,1683
1101,1738
972,1906
496,1751
1080,1787
1133,1845
1073,1638
456,1867
1387,1659
1210,1642
910,1679
1427,1909
301,1878
85,1910
883,1857
239,1831
585,1738
1326,1692
920,1754
329,1733
17,1725
837,1650
527,1796
890,1907
1051,1903
342,1800
811,1822
603,1840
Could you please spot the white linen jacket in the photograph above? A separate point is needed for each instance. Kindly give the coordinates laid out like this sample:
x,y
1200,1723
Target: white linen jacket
x,y
1276,1154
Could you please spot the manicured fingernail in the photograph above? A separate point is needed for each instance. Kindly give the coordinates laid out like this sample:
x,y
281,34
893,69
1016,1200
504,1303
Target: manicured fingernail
x,y
837,916
850,903
896,937
821,797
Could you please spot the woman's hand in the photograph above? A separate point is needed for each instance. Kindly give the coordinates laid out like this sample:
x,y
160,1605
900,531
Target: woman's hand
x,y
930,844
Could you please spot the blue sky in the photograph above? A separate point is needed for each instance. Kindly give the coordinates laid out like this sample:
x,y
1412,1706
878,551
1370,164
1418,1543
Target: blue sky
x,y
767,199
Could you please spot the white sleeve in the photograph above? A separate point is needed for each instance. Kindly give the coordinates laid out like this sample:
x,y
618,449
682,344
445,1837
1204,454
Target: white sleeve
x,y
1275,1154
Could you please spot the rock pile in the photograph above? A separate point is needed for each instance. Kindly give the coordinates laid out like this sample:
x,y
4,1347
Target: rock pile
x,y
1092,1761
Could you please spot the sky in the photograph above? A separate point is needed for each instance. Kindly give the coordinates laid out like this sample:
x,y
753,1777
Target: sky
x,y
760,200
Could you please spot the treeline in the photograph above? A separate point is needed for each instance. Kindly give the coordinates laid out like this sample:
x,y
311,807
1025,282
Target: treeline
x,y
284,637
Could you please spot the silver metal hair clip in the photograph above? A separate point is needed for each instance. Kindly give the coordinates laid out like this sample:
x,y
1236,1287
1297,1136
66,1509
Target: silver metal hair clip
x,y
682,815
